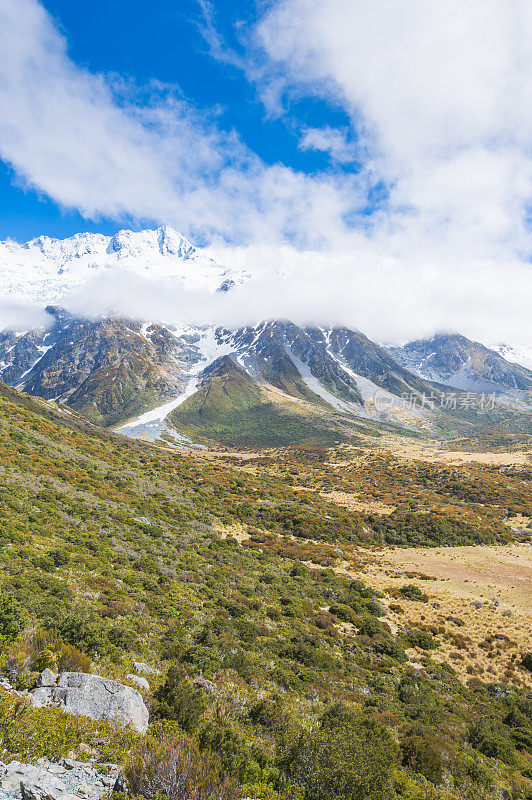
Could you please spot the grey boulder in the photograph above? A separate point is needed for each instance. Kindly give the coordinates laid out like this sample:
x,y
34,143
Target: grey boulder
x,y
141,682
141,667
92,696
68,780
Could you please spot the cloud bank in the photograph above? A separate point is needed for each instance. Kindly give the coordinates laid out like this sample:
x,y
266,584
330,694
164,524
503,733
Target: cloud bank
x,y
439,99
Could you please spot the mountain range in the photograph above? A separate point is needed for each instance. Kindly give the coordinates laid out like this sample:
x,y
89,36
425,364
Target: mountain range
x,y
269,383
44,269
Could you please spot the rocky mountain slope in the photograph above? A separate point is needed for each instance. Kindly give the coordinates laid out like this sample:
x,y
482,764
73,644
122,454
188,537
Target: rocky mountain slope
x,y
116,371
456,361
147,376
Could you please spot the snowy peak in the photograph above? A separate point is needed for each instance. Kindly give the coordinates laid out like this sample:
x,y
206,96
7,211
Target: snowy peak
x,y
81,244
128,244
136,244
45,269
164,241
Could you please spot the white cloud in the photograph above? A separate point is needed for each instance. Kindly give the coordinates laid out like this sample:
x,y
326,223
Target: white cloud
x,y
22,316
107,148
325,288
440,98
441,95
328,140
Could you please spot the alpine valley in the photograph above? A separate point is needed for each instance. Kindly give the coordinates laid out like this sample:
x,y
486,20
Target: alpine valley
x,y
269,383
275,561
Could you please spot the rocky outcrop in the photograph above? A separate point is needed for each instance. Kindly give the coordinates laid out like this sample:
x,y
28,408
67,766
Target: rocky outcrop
x,y
67,780
141,682
463,364
92,696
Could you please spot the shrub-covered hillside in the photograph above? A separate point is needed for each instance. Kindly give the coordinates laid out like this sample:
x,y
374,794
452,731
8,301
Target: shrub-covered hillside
x,y
114,552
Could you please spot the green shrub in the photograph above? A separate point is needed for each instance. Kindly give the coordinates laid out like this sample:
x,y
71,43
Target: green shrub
x,y
344,612
348,757
421,639
389,647
44,659
124,638
172,767
519,723
59,557
12,617
268,712
299,570
421,754
236,755
85,631
204,659
489,738
26,680
412,592
179,700
360,589
371,626
526,661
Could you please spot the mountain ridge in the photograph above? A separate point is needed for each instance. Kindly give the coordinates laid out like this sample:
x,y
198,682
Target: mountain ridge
x,y
133,375
44,269
136,374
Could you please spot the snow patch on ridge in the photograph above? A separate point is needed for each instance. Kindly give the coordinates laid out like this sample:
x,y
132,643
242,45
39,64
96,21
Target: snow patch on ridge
x,y
374,395
314,385
152,424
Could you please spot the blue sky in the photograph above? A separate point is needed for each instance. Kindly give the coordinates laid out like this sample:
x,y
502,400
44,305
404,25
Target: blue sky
x,y
163,41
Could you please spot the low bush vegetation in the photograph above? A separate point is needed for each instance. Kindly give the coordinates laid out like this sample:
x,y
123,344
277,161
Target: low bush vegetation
x,y
271,677
172,767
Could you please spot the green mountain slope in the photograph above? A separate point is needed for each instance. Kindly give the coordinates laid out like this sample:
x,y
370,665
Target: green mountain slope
x,y
232,408
116,551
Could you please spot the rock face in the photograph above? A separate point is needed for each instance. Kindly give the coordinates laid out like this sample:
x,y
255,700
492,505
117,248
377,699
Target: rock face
x,y
92,696
68,780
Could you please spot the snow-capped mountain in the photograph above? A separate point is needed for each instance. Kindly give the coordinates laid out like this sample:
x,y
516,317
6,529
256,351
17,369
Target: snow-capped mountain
x,y
150,379
456,361
110,369
147,378
44,269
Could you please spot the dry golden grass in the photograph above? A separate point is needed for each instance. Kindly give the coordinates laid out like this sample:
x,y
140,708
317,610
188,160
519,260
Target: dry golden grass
x,y
236,531
435,452
498,579
494,636
354,503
